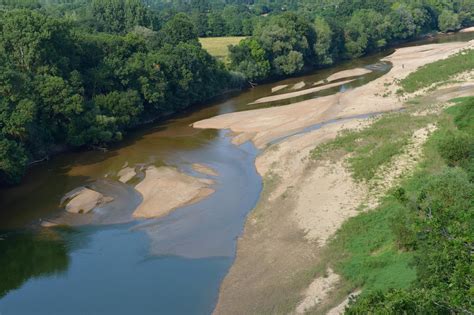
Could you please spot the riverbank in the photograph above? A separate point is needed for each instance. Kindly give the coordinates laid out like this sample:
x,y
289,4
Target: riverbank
x,y
305,202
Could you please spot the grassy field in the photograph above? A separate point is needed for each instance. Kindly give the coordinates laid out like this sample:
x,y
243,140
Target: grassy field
x,y
218,46
439,71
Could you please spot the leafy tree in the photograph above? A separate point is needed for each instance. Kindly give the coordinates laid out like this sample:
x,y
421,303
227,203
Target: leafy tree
x,y
249,58
179,29
448,21
324,40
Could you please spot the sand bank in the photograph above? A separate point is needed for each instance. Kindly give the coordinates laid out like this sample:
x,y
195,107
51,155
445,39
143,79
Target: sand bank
x,y
467,30
279,87
165,189
83,200
298,85
263,125
298,93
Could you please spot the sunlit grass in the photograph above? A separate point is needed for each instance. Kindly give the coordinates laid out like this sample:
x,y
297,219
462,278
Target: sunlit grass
x,y
439,71
218,46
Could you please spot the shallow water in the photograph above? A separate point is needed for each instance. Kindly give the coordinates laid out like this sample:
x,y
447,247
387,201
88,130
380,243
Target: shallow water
x,y
172,265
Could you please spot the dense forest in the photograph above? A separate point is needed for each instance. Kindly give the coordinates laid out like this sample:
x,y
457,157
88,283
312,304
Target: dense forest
x,y
81,73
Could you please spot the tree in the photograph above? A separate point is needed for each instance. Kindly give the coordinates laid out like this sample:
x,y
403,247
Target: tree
x,y
448,21
324,40
249,58
179,29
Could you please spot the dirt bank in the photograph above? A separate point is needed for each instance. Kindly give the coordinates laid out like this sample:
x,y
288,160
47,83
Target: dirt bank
x,y
165,189
263,125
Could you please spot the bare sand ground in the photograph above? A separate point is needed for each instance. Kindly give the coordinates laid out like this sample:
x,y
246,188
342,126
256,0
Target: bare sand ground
x,y
263,125
165,189
204,169
285,96
304,202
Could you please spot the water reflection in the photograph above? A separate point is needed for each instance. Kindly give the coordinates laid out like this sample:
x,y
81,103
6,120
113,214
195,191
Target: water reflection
x,y
27,255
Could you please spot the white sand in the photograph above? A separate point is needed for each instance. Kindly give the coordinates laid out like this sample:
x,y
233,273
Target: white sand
x,y
165,189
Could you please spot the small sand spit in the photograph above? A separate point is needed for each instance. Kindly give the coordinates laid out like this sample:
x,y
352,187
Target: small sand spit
x,y
126,174
204,169
279,87
317,291
347,74
165,189
298,85
84,200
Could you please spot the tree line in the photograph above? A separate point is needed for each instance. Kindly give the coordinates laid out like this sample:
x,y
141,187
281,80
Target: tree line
x,y
322,32
61,86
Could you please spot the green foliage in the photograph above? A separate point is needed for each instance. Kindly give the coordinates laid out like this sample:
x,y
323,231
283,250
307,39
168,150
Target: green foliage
x,y
60,86
249,58
448,21
439,71
435,222
118,16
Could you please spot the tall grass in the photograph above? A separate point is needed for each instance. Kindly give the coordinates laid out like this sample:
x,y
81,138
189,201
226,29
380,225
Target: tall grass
x,y
439,71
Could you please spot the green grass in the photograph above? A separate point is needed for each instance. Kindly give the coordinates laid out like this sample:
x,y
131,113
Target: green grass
x,y
218,46
365,253
374,146
438,72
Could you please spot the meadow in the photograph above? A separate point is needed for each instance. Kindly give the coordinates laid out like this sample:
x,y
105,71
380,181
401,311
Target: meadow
x,y
218,46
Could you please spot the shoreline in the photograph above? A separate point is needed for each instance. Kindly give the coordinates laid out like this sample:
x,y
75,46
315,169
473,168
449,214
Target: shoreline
x,y
283,167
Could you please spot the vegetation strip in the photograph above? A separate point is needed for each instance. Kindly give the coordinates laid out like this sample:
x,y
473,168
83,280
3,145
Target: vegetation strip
x,y
412,253
439,71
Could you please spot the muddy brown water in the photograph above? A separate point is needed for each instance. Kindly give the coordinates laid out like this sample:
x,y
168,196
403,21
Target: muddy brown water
x,y
172,265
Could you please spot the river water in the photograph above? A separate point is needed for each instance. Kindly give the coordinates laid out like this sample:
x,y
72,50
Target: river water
x,y
172,265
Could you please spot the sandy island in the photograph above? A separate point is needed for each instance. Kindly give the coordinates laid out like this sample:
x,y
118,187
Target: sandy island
x,y
304,203
165,189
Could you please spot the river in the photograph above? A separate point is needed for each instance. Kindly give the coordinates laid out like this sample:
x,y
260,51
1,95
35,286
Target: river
x,y
172,265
